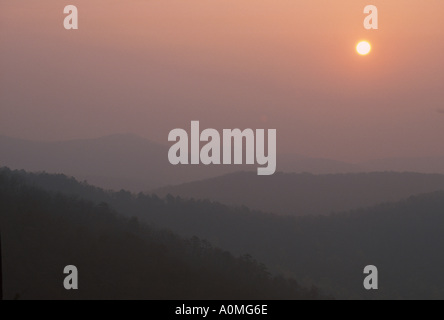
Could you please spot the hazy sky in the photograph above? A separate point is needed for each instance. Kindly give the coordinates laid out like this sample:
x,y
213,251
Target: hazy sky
x,y
149,66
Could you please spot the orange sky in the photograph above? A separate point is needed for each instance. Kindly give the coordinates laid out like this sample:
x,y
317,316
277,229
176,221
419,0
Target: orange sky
x,y
147,67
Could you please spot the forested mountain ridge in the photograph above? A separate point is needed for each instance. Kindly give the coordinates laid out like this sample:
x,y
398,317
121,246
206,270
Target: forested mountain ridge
x,y
403,239
117,257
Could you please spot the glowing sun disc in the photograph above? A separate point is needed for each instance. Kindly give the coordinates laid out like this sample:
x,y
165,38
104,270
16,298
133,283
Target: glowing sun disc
x,y
363,48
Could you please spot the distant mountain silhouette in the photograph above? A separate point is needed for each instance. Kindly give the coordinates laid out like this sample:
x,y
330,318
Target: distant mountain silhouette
x,y
295,163
115,162
122,159
130,162
137,164
403,239
307,194
422,165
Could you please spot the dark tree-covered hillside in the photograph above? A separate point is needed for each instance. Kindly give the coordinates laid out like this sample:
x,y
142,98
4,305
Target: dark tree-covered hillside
x,y
117,257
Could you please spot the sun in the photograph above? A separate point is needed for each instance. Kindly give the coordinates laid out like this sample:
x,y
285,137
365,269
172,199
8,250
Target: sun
x,y
363,48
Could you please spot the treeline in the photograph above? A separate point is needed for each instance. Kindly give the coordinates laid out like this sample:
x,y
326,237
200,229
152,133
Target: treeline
x,y
117,257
